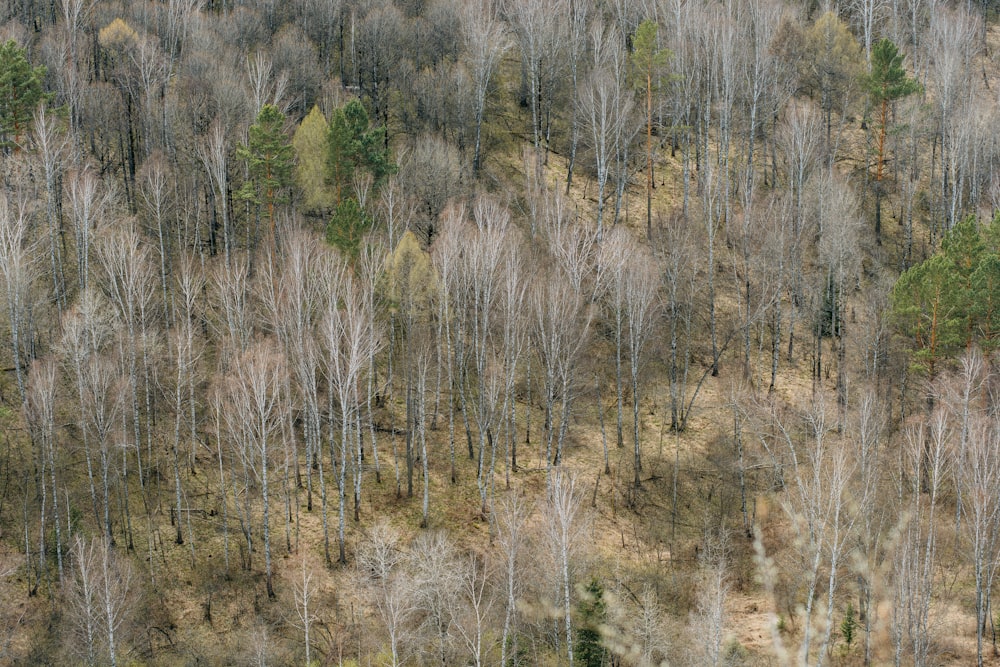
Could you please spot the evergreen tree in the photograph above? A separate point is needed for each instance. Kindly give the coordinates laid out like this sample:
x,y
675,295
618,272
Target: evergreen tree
x,y
886,83
952,300
353,145
648,59
348,226
20,93
269,158
589,651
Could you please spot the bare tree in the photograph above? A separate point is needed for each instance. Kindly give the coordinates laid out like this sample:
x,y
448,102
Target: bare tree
x,y
513,319
187,352
446,255
798,136
566,526
54,149
85,329
481,272
381,567
839,227
819,469
255,417
262,86
101,600
485,42
154,190
128,281
977,472
953,43
103,400
561,321
607,106
708,619
214,155
39,409
88,203
868,14
641,308
348,340
927,457
576,45
538,33
231,299
509,524
41,405
304,593
436,572
477,599
17,270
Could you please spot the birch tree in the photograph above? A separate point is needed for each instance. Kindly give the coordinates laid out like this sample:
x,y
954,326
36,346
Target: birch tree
x,y
256,401
17,270
486,42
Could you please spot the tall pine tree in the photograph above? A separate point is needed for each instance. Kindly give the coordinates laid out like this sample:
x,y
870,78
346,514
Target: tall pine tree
x,y
20,93
886,83
269,158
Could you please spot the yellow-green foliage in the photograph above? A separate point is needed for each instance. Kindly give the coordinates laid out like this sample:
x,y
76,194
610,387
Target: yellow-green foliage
x,y
309,142
411,278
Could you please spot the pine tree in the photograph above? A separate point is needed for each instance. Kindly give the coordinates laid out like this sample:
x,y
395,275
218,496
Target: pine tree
x,y
348,226
353,145
269,158
886,83
20,93
589,651
648,59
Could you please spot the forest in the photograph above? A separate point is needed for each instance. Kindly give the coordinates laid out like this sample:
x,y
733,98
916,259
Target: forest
x,y
499,332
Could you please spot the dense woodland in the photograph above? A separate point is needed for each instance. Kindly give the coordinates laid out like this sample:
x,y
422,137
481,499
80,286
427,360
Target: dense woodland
x,y
499,332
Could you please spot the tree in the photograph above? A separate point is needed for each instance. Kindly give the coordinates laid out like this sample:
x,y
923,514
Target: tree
x,y
510,526
214,154
52,148
254,419
830,67
566,525
269,158
561,323
309,142
648,59
536,25
349,343
641,309
607,107
949,300
304,594
20,93
381,566
817,471
978,474
886,83
592,610
100,601
955,48
40,412
16,271
437,587
352,146
486,42
128,281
